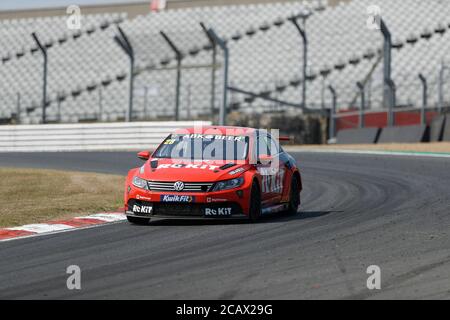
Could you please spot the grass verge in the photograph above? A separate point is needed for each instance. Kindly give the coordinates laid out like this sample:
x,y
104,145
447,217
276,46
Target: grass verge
x,y
35,195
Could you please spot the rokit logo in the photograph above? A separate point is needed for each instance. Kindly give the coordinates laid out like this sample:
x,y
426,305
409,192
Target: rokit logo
x,y
217,212
142,209
176,198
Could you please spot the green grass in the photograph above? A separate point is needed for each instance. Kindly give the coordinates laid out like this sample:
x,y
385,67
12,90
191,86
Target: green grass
x,y
35,195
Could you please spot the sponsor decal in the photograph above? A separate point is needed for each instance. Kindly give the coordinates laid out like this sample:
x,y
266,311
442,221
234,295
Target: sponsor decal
x,y
274,182
211,137
235,171
209,200
139,197
187,166
217,211
176,198
142,209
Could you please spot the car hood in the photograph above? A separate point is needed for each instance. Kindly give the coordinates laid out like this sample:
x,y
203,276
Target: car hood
x,y
196,171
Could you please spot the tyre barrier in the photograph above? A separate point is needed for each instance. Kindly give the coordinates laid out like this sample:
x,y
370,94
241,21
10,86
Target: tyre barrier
x,y
358,136
404,134
446,130
437,128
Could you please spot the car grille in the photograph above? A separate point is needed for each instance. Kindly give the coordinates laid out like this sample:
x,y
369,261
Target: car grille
x,y
188,186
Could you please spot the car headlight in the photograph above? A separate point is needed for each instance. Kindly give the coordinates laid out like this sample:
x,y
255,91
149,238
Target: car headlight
x,y
228,184
140,183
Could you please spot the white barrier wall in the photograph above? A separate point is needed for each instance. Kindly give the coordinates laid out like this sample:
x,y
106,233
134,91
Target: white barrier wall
x,y
88,136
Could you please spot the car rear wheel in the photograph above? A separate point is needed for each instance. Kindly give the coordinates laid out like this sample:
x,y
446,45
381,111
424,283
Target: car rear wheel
x,y
140,221
255,202
294,196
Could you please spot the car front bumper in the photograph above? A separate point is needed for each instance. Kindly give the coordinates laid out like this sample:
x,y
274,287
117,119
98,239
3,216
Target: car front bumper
x,y
175,210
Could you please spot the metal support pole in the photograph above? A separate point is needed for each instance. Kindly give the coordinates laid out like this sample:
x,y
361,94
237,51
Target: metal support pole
x,y
392,89
388,97
213,69
44,82
441,87
222,44
264,97
58,106
322,94
100,103
424,98
332,126
362,106
122,40
179,57
18,108
188,111
302,31
145,101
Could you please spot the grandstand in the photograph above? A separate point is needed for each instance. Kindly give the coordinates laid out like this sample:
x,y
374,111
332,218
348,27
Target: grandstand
x,y
87,71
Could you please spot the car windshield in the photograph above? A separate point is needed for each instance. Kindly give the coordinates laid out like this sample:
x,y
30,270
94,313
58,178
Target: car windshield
x,y
203,147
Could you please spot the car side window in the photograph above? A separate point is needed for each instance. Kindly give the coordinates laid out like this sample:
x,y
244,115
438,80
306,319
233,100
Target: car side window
x,y
261,144
274,147
266,145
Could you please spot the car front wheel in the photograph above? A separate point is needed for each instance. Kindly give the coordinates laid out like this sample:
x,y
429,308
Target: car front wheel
x,y
255,202
294,197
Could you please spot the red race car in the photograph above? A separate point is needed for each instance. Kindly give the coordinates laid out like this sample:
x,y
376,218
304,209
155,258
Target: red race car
x,y
213,172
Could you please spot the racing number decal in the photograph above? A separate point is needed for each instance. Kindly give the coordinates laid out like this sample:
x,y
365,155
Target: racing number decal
x,y
274,182
169,141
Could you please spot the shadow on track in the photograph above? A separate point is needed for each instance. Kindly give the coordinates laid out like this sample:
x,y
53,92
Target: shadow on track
x,y
270,218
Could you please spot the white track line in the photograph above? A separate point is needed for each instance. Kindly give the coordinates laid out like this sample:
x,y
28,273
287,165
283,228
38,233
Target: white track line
x,y
109,217
373,152
60,231
42,227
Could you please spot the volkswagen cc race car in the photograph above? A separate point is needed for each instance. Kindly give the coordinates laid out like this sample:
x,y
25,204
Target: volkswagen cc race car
x,y
213,172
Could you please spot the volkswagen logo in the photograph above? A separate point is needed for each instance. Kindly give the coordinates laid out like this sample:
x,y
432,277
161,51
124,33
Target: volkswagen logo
x,y
178,186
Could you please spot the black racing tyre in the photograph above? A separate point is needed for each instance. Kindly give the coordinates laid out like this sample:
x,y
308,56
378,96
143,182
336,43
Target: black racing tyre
x,y
140,221
255,202
294,197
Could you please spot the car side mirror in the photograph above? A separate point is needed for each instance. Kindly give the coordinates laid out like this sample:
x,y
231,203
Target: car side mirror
x,y
144,155
265,159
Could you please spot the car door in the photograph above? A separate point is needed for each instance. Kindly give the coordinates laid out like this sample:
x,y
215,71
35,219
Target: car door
x,y
272,174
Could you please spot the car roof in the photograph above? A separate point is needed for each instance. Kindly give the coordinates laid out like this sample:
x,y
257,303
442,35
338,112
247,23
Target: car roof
x,y
222,130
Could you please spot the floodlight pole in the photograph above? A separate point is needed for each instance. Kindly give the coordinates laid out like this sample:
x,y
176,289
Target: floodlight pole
x,y
213,69
332,126
44,82
123,42
424,98
363,102
302,31
388,99
222,44
179,57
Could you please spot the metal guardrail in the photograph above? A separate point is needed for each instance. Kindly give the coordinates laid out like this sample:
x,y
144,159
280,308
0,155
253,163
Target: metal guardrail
x,y
88,137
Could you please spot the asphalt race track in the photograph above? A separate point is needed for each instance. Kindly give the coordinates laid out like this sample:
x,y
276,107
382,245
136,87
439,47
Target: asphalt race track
x,y
358,210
